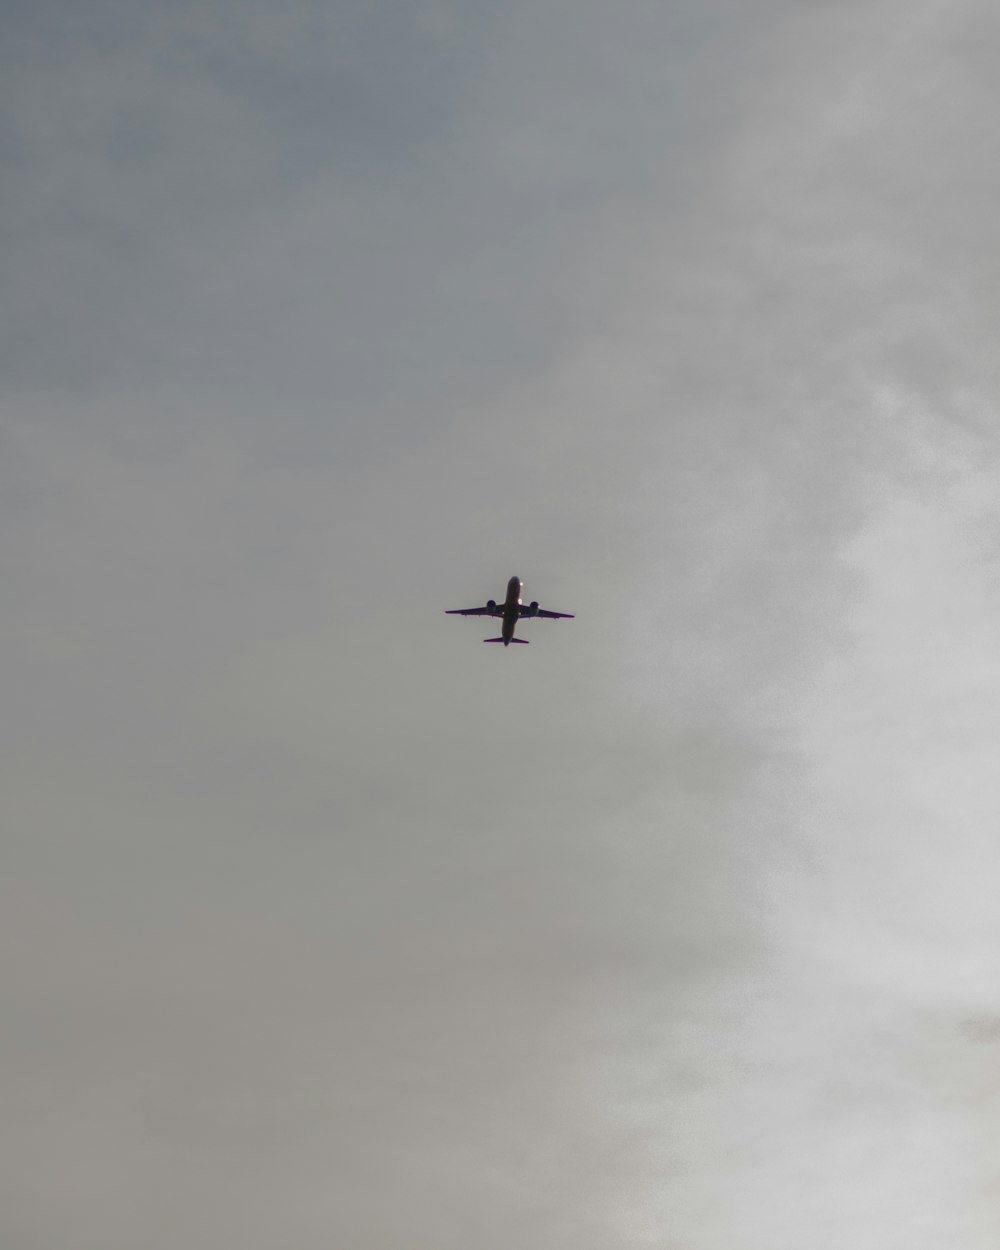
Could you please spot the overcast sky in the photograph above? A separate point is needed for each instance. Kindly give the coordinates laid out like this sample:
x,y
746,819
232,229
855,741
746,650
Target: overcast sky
x,y
323,924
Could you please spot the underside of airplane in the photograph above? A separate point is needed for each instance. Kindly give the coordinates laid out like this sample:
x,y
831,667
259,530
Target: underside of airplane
x,y
511,611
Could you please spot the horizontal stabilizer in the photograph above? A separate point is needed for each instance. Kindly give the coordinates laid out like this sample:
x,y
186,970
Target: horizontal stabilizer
x,y
492,640
523,641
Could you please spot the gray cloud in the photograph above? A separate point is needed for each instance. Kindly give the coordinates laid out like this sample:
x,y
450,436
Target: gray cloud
x,y
324,922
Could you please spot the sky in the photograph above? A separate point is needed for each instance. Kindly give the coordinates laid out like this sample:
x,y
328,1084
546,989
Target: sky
x,y
324,925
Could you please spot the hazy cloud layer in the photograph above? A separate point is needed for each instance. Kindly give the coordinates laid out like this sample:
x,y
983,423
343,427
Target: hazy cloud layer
x,y
324,924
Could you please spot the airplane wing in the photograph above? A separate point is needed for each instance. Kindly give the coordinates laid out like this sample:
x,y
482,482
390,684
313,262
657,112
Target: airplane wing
x,y
528,610
486,610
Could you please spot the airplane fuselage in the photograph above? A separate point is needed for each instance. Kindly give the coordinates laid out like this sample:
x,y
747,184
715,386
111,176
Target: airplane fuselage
x,y
511,610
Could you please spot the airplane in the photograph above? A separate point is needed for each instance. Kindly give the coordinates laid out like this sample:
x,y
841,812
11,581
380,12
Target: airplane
x,y
512,610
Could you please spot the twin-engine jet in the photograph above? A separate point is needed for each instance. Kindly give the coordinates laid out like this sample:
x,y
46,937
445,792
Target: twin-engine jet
x,y
512,609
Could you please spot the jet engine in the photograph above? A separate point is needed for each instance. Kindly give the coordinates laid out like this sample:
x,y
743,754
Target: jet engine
x,y
491,604
533,608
